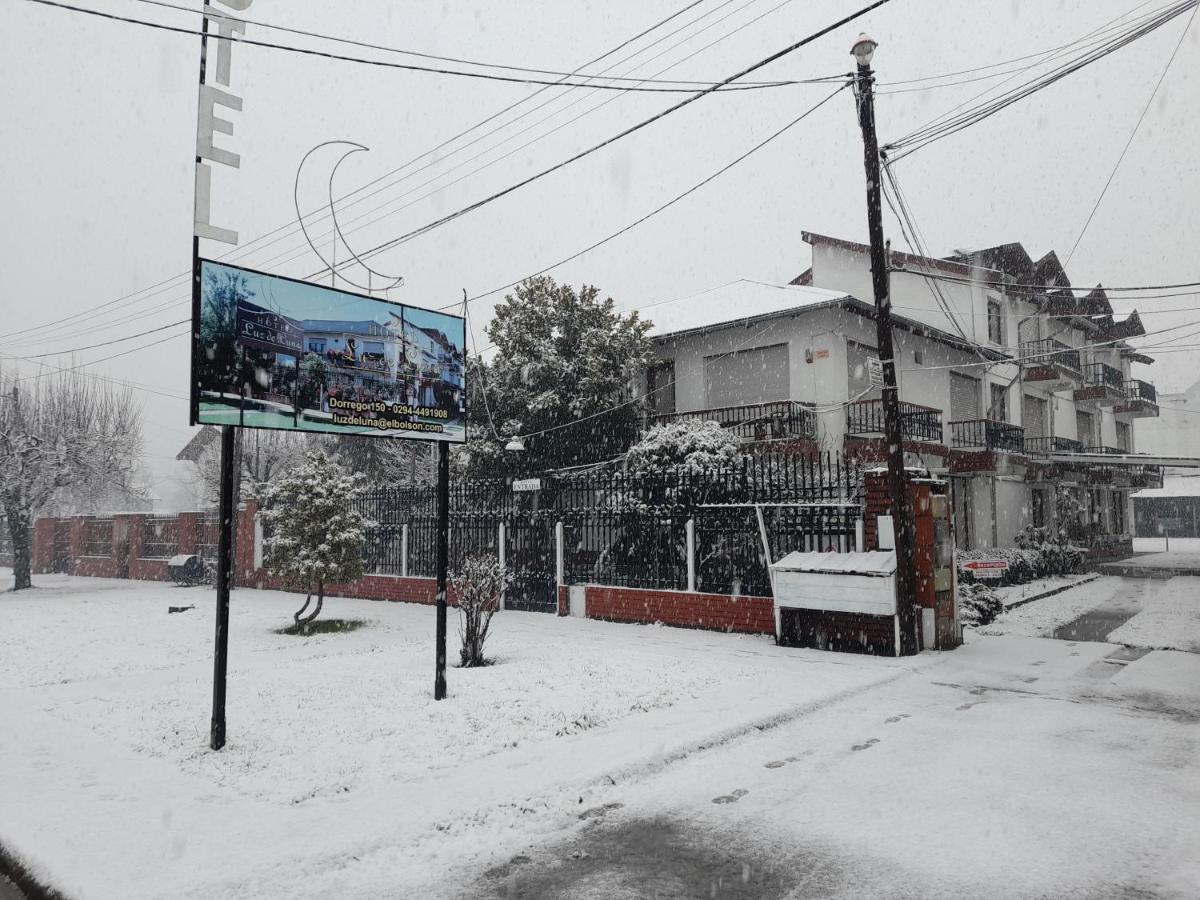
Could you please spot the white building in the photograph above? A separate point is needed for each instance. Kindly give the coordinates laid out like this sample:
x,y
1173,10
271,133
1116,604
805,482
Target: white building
x,y
1009,384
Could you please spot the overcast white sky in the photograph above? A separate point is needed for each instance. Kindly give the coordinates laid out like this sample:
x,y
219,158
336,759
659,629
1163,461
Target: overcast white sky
x,y
98,122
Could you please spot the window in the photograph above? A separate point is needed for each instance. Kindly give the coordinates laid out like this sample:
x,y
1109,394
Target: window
x,y
1125,436
1085,429
316,346
964,398
995,322
998,405
857,378
1038,508
747,376
660,385
1033,417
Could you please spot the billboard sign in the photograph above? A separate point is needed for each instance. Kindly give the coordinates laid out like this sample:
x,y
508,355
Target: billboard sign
x,y
273,352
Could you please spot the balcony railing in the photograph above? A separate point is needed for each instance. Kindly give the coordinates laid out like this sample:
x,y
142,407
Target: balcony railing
x,y
1103,375
864,418
1049,352
1138,390
756,421
1044,446
987,434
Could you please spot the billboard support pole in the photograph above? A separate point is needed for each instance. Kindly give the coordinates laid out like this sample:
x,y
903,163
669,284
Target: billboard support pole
x,y
443,554
227,513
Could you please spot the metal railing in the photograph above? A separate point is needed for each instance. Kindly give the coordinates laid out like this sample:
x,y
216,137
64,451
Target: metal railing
x,y
1049,352
97,537
1136,389
1107,451
1104,375
778,419
161,539
1044,446
988,435
918,423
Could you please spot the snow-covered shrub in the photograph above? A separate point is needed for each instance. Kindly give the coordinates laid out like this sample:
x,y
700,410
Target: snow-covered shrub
x,y
1023,565
312,535
686,447
977,604
478,585
1058,556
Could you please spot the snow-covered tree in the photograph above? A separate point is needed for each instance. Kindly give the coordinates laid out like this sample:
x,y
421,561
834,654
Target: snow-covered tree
x,y
63,437
478,586
686,447
566,360
313,535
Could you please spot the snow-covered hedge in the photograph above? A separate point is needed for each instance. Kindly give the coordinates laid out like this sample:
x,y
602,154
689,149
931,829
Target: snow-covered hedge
x,y
978,604
686,447
1058,555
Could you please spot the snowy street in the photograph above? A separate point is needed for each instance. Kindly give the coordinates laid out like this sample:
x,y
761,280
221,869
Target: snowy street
x,y
691,758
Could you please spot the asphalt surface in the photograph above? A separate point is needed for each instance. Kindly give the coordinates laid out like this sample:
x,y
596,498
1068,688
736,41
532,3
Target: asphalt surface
x,y
1097,624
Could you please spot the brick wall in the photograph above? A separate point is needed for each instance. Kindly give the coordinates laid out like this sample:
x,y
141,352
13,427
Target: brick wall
x,y
719,612
43,545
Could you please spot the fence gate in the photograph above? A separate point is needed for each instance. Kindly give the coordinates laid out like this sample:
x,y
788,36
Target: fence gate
x,y
529,554
62,546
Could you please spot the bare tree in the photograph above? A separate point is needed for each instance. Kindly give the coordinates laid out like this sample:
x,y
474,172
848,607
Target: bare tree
x,y
63,436
479,584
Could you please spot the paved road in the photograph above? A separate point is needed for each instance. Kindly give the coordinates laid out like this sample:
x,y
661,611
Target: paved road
x,y
1011,771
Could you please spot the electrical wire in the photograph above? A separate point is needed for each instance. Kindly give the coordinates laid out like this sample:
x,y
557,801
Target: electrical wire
x,y
926,135
309,51
1133,134
1010,287
691,190
215,14
443,220
290,227
119,340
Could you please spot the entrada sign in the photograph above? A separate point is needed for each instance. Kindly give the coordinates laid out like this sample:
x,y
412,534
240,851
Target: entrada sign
x,y
987,568
208,123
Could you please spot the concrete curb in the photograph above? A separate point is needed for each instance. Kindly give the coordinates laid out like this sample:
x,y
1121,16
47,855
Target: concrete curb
x,y
1050,593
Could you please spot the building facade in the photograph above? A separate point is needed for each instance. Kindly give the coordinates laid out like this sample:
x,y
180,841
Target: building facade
x,y
1019,392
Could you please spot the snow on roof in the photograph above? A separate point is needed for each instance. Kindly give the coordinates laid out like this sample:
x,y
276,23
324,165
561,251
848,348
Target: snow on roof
x,y
1174,486
734,302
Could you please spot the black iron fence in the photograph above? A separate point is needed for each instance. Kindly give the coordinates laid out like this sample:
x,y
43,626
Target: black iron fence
x,y
628,529
97,537
161,537
986,434
1104,375
1044,446
864,418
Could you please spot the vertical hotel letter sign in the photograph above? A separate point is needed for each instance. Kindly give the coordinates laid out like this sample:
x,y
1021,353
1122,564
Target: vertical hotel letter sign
x,y
209,122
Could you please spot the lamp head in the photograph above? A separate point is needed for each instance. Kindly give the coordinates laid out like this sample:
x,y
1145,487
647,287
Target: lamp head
x,y
515,445
863,49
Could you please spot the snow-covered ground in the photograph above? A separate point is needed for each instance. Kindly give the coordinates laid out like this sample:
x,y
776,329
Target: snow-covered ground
x,y
1159,545
1040,618
1169,621
1020,593
344,778
336,748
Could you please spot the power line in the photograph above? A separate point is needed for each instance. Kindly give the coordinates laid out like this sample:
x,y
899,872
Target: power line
x,y
1053,288
119,340
290,226
308,51
1133,134
622,134
214,14
691,190
931,133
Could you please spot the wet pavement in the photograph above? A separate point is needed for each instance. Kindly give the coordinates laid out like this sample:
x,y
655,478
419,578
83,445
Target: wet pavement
x,y
1097,624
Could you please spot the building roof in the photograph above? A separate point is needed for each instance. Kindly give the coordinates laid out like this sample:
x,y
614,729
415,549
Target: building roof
x,y
743,300
1173,486
368,327
951,266
203,439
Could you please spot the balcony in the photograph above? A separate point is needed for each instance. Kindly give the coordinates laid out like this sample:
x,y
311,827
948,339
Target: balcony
x,y
756,421
1141,399
986,434
1044,446
1103,385
1051,364
918,424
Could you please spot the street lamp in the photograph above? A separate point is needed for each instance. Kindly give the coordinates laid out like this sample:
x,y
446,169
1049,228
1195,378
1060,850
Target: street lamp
x,y
515,445
893,427
863,50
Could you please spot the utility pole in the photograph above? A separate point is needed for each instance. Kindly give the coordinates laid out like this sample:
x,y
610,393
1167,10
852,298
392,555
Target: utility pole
x,y
902,516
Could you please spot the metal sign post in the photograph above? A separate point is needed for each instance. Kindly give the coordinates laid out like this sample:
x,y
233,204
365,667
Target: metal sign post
x,y
443,560
228,510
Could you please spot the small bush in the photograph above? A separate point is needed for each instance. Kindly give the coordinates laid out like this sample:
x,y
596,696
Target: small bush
x,y
1058,555
977,604
479,585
